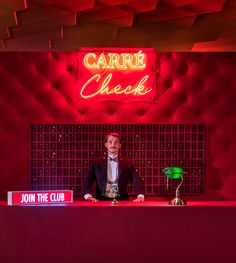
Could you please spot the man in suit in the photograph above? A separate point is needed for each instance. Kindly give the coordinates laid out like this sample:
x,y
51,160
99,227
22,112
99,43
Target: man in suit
x,y
111,175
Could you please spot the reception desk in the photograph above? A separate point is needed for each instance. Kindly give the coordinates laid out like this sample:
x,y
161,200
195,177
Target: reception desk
x,y
129,232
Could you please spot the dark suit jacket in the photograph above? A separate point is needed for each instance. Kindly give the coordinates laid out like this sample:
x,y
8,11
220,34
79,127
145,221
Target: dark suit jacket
x,y
98,174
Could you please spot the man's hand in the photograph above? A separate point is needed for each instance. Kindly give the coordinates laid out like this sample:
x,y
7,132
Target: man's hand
x,y
139,200
91,199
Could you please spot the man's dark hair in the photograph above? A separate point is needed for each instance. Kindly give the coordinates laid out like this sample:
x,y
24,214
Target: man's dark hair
x,y
114,134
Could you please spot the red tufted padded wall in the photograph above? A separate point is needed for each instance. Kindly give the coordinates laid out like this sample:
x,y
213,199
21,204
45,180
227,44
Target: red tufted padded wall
x,y
41,87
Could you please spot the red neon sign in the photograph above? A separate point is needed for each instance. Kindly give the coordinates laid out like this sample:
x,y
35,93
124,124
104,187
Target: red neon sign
x,y
39,197
116,72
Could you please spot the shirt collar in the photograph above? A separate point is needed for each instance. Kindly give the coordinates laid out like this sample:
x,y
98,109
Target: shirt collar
x,y
113,156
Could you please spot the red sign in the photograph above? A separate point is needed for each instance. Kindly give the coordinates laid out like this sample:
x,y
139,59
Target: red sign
x,y
113,72
39,197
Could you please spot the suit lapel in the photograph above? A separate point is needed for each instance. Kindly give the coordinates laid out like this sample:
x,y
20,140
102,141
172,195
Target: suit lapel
x,y
104,173
104,168
120,168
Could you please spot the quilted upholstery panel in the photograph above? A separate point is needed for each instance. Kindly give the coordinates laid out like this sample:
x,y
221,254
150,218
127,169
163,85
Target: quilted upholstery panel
x,y
41,87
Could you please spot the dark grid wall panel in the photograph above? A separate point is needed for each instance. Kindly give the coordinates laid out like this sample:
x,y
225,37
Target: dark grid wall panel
x,y
61,154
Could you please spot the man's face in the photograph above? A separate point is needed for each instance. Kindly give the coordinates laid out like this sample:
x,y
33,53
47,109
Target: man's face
x,y
113,145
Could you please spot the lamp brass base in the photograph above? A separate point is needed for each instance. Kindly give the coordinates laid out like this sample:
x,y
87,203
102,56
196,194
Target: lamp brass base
x,y
114,202
177,201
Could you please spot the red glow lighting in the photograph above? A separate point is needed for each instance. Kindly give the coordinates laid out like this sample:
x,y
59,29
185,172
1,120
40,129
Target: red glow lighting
x,y
39,197
116,72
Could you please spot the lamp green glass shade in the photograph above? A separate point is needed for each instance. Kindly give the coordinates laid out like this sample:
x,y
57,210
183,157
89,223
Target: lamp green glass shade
x,y
173,172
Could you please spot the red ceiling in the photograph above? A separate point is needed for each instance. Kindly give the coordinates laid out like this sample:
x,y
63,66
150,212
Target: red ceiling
x,y
168,25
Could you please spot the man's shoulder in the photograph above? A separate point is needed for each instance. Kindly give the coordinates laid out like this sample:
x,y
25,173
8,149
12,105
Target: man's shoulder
x,y
122,160
99,160
126,161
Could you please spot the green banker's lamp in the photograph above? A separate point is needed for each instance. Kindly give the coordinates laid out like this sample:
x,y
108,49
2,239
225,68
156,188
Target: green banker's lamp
x,y
175,173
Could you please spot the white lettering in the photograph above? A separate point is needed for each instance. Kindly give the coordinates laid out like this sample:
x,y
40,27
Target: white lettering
x,y
57,197
27,198
42,198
